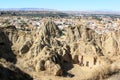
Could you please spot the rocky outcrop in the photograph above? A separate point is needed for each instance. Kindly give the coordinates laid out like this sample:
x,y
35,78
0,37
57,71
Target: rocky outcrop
x,y
25,48
5,48
78,33
73,34
43,51
12,33
110,43
47,60
50,29
10,72
87,46
53,69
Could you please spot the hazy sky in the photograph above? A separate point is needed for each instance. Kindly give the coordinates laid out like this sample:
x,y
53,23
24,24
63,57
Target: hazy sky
x,y
113,5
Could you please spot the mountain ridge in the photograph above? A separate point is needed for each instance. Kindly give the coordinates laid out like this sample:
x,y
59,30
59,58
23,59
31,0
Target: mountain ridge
x,y
66,11
25,9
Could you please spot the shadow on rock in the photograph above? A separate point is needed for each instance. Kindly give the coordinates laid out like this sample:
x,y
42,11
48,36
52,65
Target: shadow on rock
x,y
66,74
5,48
66,67
13,74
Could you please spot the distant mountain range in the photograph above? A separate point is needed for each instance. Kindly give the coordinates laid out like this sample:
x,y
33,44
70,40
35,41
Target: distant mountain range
x,y
68,12
92,12
26,9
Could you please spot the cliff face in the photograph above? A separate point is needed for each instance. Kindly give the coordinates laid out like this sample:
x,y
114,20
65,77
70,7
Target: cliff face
x,y
8,70
44,50
103,44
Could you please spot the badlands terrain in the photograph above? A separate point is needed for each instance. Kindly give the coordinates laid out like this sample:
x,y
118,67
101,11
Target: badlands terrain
x,y
50,48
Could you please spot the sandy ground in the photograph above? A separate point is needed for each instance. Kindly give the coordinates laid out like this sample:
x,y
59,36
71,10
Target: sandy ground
x,y
80,73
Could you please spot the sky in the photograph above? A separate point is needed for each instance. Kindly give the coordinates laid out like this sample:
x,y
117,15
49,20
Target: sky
x,y
74,5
